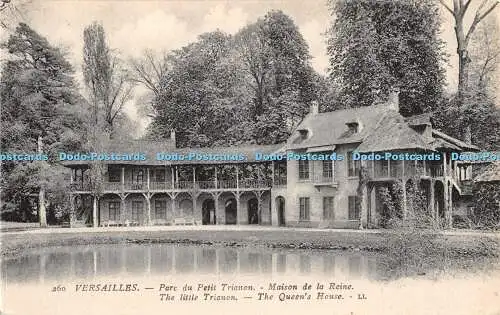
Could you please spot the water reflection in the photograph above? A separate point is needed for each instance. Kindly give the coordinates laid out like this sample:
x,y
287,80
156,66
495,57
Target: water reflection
x,y
163,259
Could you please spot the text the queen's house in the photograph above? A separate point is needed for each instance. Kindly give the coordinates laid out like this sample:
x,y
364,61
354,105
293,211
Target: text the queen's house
x,y
305,193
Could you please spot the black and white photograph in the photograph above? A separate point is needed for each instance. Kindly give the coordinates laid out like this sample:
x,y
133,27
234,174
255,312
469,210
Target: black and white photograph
x,y
335,157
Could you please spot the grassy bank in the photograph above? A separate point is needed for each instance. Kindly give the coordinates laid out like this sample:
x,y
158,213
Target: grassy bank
x,y
399,252
386,241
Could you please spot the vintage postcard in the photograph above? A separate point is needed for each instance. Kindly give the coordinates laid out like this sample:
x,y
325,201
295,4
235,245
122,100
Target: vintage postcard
x,y
333,157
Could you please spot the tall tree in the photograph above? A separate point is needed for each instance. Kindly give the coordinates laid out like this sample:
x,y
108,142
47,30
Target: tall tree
x,y
484,52
42,111
275,61
13,11
477,111
105,77
149,71
194,93
253,87
463,36
375,46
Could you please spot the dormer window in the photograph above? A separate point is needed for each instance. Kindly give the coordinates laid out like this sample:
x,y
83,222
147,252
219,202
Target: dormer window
x,y
303,134
353,127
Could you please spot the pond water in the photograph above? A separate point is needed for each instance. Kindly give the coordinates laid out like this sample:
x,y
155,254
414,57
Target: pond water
x,y
60,263
130,279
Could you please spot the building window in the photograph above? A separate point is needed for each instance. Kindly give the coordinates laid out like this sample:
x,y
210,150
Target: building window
x,y
328,169
353,127
159,176
304,208
136,210
114,175
114,210
328,212
138,176
353,166
354,208
160,209
303,169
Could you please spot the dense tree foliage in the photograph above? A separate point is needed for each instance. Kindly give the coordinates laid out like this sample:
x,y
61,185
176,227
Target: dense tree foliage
x,y
475,115
375,46
464,36
253,87
487,206
40,104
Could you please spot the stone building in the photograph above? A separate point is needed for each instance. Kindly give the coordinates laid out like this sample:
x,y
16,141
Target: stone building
x,y
276,186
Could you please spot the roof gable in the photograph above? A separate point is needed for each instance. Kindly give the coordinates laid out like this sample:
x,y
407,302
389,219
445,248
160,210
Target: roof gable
x,y
393,133
330,127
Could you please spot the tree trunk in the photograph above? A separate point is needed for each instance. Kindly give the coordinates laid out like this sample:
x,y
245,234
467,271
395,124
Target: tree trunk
x,y
463,75
42,211
463,81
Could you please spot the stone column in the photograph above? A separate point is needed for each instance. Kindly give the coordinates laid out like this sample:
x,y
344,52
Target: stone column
x,y
174,207
365,197
215,171
450,206
238,209
237,177
445,168
172,175
123,210
148,178
432,202
272,173
194,176
259,207
148,204
405,202
216,210
274,211
123,179
446,201
72,209
195,212
94,211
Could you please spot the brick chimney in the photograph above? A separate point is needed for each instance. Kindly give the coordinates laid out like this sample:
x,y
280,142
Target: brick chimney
x,y
393,98
314,108
172,136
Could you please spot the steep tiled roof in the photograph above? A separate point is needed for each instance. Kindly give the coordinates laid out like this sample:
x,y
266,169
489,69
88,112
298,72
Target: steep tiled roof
x,y
459,143
393,133
330,127
151,148
417,120
381,126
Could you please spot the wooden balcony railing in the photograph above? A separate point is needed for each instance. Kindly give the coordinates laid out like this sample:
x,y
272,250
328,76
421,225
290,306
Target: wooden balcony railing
x,y
254,183
321,179
114,186
225,184
383,170
435,170
81,186
135,186
160,186
184,185
210,184
181,185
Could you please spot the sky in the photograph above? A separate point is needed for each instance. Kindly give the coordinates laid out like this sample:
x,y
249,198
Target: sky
x,y
133,26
